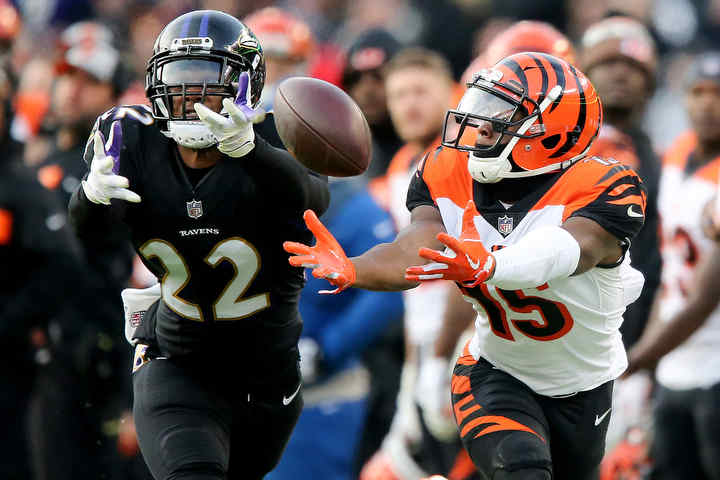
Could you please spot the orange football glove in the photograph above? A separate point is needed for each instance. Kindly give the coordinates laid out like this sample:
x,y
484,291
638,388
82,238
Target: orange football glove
x,y
326,258
468,262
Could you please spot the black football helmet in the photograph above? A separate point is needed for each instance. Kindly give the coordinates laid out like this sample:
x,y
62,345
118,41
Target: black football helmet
x,y
207,50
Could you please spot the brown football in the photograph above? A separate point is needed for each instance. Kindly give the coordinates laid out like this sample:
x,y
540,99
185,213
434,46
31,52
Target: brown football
x,y
322,127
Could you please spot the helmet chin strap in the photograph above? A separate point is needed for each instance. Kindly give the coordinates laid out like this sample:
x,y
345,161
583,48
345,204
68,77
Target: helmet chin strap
x,y
494,169
190,134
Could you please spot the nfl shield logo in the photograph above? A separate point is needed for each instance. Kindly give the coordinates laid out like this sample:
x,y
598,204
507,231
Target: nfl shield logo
x,y
505,225
136,318
194,209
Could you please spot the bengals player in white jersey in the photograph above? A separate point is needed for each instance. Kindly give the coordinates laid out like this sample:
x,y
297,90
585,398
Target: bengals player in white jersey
x,y
685,337
536,236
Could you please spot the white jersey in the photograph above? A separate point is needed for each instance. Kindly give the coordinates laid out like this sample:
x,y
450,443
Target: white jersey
x,y
561,337
683,194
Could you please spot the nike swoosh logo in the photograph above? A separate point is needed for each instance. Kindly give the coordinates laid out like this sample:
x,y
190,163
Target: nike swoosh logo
x,y
473,265
287,400
598,420
632,213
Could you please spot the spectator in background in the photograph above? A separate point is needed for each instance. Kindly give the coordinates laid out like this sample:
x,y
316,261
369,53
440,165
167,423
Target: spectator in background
x,y
87,382
619,56
686,335
287,44
10,27
89,79
40,278
522,36
337,331
363,81
46,15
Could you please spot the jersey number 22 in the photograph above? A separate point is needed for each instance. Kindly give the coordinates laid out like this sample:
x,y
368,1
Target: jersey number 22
x,y
230,305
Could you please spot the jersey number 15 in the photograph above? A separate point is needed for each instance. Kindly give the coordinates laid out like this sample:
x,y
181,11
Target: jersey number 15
x,y
555,319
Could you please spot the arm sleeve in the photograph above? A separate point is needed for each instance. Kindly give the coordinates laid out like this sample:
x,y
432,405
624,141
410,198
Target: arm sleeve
x,y
418,191
277,171
88,219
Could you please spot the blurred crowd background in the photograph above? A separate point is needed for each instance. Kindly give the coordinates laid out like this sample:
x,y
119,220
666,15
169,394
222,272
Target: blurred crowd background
x,y
374,407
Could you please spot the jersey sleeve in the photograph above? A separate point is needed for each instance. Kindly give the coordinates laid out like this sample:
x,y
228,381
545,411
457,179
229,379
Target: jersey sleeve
x,y
616,201
131,118
88,219
418,191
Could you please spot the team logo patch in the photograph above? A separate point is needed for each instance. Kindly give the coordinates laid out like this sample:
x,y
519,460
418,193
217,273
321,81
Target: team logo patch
x,y
505,225
140,357
194,209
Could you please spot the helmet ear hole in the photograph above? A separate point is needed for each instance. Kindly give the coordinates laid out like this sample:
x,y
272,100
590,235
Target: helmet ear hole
x,y
551,141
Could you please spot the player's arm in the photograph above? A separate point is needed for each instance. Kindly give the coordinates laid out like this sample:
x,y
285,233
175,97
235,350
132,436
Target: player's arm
x,y
604,216
383,266
542,255
380,268
702,301
597,245
90,207
278,172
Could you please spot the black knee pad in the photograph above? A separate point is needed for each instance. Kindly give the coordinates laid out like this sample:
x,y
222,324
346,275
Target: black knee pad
x,y
522,456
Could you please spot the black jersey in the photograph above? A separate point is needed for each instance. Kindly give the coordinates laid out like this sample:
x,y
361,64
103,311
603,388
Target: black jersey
x,y
216,246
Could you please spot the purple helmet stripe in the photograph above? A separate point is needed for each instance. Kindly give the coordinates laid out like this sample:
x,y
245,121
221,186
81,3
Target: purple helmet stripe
x,y
185,27
204,25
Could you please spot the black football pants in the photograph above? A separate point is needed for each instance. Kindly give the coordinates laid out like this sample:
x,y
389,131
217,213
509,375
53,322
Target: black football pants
x,y
196,420
512,432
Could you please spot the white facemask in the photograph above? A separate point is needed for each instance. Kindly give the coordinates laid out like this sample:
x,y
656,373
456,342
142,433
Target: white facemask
x,y
494,169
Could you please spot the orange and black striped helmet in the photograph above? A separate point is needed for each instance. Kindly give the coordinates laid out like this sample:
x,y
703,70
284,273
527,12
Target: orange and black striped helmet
x,y
546,111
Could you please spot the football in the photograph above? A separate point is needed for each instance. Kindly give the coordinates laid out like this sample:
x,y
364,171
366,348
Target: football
x,y
322,127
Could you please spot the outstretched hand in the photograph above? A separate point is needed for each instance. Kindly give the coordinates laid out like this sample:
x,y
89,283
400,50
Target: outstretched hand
x,y
467,260
234,133
103,182
326,258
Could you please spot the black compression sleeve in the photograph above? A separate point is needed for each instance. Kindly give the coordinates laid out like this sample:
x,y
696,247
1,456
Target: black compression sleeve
x,y
88,218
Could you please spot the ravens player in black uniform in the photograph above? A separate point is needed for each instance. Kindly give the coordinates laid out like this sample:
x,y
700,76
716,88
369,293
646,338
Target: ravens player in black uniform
x,y
216,377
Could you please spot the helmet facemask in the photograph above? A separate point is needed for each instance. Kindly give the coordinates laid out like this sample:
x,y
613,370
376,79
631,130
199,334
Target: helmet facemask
x,y
190,73
512,114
